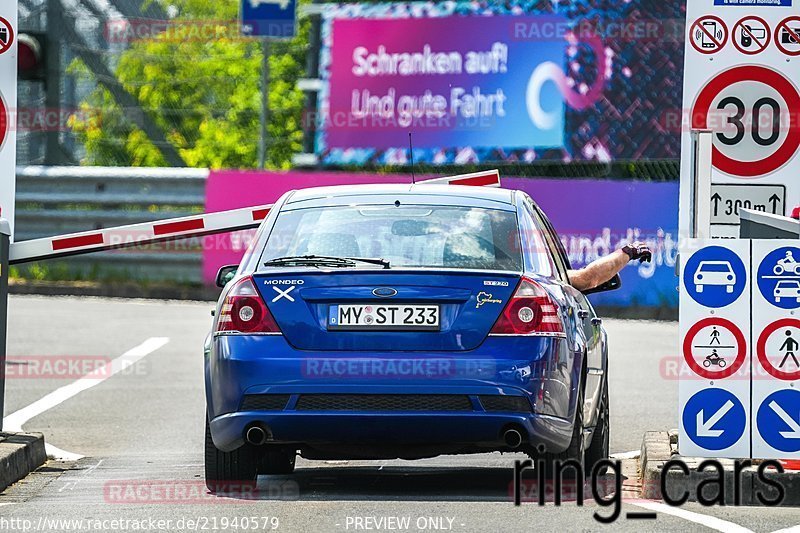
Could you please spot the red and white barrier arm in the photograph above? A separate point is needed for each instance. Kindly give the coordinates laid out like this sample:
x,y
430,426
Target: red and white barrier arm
x,y
137,234
485,178
179,228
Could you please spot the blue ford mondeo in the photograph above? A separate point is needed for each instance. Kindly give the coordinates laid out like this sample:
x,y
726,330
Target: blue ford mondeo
x,y
402,321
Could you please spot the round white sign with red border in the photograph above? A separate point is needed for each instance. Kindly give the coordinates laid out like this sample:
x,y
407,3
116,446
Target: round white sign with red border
x,y
778,349
731,102
5,44
787,36
751,35
708,34
714,348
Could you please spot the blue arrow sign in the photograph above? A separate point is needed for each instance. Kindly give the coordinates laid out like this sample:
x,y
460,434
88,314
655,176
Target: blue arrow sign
x,y
269,18
714,276
778,420
714,419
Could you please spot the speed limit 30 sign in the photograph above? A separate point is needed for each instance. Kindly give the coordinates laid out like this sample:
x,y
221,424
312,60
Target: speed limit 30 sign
x,y
754,112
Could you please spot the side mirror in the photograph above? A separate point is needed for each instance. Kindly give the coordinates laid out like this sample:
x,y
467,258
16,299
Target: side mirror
x,y
610,285
225,274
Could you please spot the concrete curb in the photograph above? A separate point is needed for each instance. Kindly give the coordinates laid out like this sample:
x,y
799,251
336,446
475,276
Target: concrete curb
x,y
20,454
658,447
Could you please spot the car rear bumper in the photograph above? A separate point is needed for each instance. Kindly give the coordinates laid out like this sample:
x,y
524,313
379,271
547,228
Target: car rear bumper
x,y
373,430
317,399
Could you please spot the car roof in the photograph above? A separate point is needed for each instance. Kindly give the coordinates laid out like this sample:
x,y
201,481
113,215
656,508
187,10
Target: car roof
x,y
715,263
388,193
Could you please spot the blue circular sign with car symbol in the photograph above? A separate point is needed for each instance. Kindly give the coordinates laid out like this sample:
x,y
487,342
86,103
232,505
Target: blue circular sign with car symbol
x,y
779,277
714,276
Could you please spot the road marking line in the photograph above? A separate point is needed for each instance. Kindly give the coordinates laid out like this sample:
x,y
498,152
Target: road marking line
x,y
793,529
710,522
15,421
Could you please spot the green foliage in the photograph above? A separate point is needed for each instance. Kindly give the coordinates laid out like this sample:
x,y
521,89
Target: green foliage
x,y
203,93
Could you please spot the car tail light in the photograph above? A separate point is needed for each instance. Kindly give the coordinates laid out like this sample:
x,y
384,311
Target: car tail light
x,y
244,311
530,310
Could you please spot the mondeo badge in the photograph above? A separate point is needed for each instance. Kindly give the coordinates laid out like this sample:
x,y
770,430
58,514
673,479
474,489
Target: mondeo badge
x,y
384,292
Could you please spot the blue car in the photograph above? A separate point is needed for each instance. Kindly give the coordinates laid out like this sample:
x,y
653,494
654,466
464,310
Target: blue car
x,y
402,321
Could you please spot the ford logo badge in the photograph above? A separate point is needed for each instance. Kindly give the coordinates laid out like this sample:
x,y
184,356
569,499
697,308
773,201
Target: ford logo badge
x,y
384,292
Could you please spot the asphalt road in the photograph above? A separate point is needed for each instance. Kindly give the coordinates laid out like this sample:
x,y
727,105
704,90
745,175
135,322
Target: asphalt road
x,y
140,432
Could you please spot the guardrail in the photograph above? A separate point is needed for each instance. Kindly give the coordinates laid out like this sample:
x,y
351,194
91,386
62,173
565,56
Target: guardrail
x,y
60,200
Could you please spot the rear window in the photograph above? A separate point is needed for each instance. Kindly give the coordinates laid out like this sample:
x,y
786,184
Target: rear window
x,y
407,235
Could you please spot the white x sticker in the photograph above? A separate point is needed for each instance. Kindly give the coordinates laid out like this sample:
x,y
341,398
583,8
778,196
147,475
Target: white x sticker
x,y
283,294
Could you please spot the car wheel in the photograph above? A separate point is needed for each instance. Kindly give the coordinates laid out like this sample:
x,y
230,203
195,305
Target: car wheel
x,y
599,448
729,289
777,299
229,471
699,288
576,450
278,462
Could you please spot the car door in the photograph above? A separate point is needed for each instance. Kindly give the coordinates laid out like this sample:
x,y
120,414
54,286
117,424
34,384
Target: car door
x,y
593,332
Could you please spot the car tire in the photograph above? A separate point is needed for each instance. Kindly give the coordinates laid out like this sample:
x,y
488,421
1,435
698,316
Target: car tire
x,y
699,288
598,450
729,289
278,462
229,471
576,450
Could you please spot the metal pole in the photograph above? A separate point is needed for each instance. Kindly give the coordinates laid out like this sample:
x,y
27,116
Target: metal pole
x,y
52,152
5,236
702,148
312,72
262,142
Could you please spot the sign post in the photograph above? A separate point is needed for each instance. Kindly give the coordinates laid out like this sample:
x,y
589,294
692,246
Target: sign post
x,y
268,19
8,106
741,82
8,161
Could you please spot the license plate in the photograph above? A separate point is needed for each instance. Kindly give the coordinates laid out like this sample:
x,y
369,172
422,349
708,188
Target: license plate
x,y
384,317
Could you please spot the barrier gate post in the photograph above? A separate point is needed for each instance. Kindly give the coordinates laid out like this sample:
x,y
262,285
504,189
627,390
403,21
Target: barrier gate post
x,y
5,237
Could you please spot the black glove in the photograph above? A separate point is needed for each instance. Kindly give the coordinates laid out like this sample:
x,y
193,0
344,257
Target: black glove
x,y
638,250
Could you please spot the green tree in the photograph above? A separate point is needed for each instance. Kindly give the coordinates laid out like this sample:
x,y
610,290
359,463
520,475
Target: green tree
x,y
204,94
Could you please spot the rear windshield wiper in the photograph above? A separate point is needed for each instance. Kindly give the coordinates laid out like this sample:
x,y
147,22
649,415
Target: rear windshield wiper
x,y
325,260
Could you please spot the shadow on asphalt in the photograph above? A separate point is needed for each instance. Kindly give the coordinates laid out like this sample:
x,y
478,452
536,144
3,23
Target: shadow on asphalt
x,y
414,484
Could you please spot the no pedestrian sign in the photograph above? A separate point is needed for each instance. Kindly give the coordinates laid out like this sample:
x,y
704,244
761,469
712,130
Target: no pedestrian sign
x,y
778,349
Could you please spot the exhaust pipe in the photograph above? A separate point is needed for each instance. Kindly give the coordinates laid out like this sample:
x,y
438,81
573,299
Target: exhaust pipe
x,y
255,435
512,438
